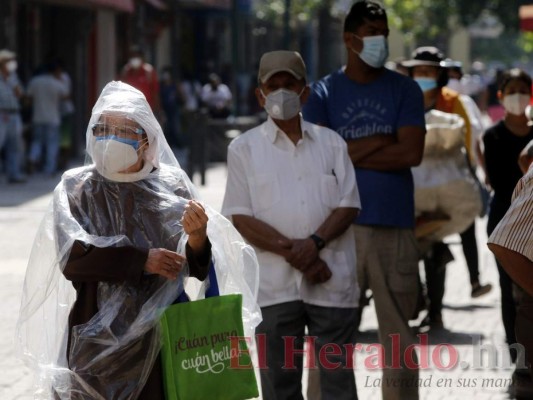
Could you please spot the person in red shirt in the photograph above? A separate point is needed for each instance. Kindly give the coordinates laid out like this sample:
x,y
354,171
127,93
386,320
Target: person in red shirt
x,y
142,76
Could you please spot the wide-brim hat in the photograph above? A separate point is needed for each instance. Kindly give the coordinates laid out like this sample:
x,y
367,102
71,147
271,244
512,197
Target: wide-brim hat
x,y
427,55
449,63
281,61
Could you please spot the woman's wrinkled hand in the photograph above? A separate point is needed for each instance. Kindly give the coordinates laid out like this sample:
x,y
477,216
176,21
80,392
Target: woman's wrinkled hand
x,y
194,223
164,262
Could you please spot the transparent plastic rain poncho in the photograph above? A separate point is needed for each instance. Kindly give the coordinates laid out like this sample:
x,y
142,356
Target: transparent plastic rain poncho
x,y
98,206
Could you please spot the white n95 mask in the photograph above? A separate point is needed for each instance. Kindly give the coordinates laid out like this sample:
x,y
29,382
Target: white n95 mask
x,y
111,156
283,104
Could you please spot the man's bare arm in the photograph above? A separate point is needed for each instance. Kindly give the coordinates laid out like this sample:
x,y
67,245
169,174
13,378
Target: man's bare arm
x,y
519,267
359,149
406,152
337,222
262,235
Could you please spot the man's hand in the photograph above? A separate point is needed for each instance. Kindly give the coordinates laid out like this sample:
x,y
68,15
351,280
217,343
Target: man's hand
x,y
303,254
318,272
525,158
194,223
164,262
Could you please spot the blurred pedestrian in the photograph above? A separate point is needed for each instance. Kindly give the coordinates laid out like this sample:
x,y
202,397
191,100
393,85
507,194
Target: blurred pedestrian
x,y
495,109
380,113
304,241
217,97
171,100
66,109
143,76
503,144
444,183
11,92
46,92
477,123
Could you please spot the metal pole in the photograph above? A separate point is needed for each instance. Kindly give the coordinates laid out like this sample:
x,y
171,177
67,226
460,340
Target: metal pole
x,y
235,55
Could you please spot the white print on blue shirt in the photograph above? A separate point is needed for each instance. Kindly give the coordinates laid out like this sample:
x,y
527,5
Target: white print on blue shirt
x,y
363,118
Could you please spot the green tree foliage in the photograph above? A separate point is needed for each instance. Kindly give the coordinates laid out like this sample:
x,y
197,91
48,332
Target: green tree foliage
x,y
421,21
302,10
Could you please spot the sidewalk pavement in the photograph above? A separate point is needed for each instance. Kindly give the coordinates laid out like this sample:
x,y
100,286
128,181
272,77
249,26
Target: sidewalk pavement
x,y
466,319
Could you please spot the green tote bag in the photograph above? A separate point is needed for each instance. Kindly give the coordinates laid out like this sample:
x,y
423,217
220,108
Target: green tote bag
x,y
204,354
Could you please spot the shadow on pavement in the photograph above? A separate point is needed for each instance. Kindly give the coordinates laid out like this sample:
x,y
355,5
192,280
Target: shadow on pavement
x,y
37,185
469,307
434,337
13,195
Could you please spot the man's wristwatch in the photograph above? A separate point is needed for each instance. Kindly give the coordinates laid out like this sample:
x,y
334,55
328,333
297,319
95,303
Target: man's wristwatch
x,y
319,242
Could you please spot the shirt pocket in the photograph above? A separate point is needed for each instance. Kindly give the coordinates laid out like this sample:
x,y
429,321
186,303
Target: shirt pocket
x,y
342,275
329,191
265,192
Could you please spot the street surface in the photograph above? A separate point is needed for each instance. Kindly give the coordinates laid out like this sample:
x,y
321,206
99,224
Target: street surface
x,y
21,210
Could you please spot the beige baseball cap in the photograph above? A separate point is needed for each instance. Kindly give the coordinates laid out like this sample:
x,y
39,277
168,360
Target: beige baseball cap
x,y
6,55
281,61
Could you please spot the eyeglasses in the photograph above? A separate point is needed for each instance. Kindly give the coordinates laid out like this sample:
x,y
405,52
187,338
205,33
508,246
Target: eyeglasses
x,y
124,131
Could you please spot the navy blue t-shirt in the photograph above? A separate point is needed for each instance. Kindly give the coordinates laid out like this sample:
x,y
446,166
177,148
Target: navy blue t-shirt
x,y
357,110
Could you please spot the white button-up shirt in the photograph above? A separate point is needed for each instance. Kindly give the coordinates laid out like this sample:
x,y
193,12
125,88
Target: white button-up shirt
x,y
294,188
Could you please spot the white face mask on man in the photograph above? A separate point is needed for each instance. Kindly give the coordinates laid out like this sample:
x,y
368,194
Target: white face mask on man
x,y
11,66
283,104
516,103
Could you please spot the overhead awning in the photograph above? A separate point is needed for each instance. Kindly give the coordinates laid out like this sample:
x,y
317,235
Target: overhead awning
x,y
117,5
220,4
120,5
159,4
525,13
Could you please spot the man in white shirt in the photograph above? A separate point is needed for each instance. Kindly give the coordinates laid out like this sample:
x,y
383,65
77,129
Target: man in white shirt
x,y
46,92
217,97
291,192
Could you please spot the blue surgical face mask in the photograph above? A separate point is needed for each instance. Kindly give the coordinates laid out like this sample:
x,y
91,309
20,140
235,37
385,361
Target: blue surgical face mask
x,y
132,142
375,50
426,84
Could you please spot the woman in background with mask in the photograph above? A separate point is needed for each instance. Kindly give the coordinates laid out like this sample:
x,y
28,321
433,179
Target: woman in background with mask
x,y
503,143
443,181
122,236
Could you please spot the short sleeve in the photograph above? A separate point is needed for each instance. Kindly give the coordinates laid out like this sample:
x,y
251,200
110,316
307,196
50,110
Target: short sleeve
x,y
411,110
315,109
237,200
515,230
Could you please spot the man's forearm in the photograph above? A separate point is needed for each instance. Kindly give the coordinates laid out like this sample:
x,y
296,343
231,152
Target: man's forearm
x,y
519,267
337,223
262,235
392,157
358,149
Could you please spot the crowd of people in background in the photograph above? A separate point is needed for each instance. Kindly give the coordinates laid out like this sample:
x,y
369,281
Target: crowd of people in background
x,y
41,142
37,117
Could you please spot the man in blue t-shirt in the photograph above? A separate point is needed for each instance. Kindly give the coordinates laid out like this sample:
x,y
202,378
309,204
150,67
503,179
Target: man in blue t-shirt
x,y
380,114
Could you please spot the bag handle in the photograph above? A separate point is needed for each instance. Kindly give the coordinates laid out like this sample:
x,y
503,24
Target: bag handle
x,y
211,291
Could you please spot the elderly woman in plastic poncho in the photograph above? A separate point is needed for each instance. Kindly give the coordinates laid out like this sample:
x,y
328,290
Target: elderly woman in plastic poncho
x,y
121,237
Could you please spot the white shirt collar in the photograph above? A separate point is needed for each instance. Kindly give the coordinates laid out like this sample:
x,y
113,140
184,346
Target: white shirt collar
x,y
271,130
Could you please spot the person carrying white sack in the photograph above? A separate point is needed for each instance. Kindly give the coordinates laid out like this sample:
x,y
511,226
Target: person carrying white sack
x,y
117,245
443,182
